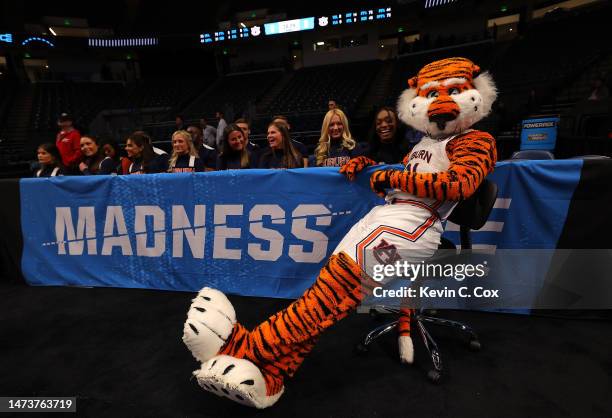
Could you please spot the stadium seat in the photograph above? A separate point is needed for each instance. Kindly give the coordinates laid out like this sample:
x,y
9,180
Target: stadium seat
x,y
533,154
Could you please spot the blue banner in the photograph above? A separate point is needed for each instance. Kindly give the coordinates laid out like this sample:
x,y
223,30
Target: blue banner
x,y
249,232
539,133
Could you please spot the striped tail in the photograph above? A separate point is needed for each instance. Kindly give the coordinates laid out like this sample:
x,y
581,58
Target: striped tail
x,y
404,322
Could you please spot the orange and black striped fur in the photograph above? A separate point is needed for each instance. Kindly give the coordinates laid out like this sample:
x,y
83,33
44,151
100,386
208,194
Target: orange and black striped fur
x,y
278,345
472,156
444,100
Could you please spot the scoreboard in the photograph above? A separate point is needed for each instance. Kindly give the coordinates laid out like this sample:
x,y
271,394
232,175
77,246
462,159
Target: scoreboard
x,y
286,26
297,25
360,16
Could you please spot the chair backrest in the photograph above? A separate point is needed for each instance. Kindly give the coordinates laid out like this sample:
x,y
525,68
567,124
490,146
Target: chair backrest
x,y
533,154
473,213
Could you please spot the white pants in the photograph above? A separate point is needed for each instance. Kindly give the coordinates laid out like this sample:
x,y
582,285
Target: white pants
x,y
383,235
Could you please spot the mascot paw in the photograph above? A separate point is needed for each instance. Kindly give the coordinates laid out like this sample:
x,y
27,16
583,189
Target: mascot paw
x,y
406,349
236,379
209,324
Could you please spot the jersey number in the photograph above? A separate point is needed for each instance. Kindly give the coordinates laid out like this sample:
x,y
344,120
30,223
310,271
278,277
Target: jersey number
x,y
411,168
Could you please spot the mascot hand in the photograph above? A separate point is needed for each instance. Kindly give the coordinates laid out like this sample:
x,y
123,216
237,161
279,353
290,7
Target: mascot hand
x,y
354,166
381,180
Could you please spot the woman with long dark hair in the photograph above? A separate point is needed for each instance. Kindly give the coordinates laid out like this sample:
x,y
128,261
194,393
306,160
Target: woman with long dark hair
x,y
387,142
234,153
94,161
112,150
50,161
281,153
140,152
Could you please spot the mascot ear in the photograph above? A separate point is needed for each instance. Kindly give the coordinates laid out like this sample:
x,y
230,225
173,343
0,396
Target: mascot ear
x,y
403,105
475,71
412,82
486,87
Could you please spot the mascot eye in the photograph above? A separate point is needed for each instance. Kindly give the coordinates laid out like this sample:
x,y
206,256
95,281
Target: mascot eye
x,y
432,94
452,91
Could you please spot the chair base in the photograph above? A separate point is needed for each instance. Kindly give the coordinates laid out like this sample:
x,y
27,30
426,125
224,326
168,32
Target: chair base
x,y
435,374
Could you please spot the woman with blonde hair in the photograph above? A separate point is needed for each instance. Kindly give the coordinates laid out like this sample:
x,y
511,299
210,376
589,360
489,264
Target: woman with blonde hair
x,y
336,144
184,158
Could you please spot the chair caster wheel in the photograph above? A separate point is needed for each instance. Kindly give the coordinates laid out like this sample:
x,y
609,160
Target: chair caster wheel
x,y
475,345
361,349
434,376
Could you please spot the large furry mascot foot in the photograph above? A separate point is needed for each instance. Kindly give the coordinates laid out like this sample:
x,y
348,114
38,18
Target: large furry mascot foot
x,y
211,324
237,379
249,367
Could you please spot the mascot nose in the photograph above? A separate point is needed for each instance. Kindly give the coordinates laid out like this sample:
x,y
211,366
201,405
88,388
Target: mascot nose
x,y
441,119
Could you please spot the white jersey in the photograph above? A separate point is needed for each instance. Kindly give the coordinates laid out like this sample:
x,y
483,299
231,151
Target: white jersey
x,y
406,222
428,156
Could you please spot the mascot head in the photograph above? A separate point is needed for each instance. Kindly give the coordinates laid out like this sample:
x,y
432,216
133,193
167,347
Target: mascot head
x,y
447,97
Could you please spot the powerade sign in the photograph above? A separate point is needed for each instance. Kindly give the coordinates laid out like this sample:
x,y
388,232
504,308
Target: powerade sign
x,y
539,133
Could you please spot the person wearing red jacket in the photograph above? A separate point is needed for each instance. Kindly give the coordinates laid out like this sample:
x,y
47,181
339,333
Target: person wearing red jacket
x,y
68,141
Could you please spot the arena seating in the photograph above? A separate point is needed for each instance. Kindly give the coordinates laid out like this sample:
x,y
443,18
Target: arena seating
x,y
82,100
85,100
545,58
232,94
311,88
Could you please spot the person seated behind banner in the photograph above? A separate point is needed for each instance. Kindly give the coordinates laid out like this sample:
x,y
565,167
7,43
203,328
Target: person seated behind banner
x,y
245,125
112,150
207,154
281,152
252,147
94,161
185,158
142,158
336,144
161,156
209,133
300,147
234,153
50,161
386,142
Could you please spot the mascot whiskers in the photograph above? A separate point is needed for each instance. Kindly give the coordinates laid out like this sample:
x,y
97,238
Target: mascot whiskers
x,y
443,101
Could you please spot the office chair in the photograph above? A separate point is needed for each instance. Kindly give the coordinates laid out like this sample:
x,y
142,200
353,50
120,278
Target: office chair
x,y
468,214
533,154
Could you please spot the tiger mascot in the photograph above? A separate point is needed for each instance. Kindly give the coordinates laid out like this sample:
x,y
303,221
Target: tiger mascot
x,y
443,100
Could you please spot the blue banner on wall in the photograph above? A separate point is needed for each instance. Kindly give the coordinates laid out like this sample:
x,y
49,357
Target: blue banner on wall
x,y
250,232
539,133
